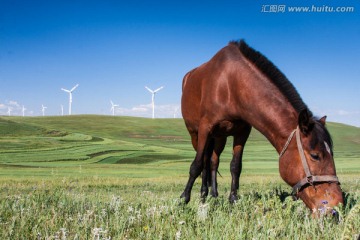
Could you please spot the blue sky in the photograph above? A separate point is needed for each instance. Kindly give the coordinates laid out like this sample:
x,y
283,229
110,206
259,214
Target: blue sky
x,y
113,49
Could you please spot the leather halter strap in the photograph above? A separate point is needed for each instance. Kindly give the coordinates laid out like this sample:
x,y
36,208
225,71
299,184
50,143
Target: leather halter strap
x,y
309,179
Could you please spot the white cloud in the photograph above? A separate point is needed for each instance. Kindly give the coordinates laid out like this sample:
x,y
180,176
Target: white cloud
x,y
347,113
142,108
346,116
13,103
14,106
161,111
139,109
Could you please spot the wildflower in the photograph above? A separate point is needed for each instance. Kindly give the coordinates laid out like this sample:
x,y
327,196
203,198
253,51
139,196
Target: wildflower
x,y
56,235
178,235
203,211
138,214
131,219
130,209
150,212
97,232
182,222
164,209
63,233
115,202
103,212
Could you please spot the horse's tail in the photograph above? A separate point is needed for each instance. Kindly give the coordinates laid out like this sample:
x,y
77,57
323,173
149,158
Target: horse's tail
x,y
209,176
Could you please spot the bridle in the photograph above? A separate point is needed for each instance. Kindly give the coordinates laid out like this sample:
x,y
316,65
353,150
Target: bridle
x,y
309,180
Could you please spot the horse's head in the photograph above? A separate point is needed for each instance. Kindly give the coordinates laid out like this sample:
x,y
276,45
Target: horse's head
x,y
308,165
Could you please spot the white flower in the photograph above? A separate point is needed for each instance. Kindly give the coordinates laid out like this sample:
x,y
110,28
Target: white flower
x,y
130,209
103,212
131,219
63,233
97,232
178,235
203,211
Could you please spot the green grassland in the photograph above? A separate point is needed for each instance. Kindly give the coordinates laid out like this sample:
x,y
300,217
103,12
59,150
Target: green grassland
x,y
102,177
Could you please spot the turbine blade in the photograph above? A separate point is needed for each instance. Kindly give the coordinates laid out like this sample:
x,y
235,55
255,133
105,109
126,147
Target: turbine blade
x,y
158,89
65,90
74,87
149,89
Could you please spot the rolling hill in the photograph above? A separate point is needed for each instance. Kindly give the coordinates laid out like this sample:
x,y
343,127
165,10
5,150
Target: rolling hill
x,y
108,145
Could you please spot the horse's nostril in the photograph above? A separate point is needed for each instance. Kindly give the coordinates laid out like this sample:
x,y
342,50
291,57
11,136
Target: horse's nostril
x,y
334,212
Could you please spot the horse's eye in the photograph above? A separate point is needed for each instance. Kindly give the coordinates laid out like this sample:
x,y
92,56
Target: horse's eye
x,y
315,156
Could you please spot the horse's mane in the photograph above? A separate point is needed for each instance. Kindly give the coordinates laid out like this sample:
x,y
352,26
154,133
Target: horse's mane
x,y
273,73
285,86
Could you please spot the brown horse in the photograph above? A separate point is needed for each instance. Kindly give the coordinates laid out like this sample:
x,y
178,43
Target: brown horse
x,y
238,89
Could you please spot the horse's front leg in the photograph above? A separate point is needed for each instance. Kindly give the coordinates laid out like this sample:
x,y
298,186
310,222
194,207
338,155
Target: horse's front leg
x,y
235,169
236,162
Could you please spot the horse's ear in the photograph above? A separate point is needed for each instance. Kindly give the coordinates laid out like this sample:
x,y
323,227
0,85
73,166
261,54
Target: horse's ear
x,y
323,120
306,123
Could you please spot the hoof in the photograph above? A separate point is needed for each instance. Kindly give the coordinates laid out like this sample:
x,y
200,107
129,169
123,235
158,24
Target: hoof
x,y
185,197
214,194
204,193
233,198
203,197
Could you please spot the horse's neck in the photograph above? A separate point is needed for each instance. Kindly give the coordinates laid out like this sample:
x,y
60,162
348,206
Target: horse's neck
x,y
275,119
276,130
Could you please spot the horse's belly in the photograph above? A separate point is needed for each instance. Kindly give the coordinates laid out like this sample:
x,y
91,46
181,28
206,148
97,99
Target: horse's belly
x,y
224,128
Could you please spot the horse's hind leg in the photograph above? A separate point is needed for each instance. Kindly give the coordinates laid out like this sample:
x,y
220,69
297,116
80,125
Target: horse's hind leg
x,y
215,160
198,164
236,162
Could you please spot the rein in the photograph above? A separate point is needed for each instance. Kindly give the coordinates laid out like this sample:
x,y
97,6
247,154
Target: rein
x,y
309,179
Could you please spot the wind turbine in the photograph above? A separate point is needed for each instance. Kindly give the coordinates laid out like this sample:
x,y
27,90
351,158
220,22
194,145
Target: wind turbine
x,y
62,110
9,111
113,107
43,109
23,111
70,95
153,92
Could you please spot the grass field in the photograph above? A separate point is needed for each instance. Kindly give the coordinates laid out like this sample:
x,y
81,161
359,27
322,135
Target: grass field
x,y
102,177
